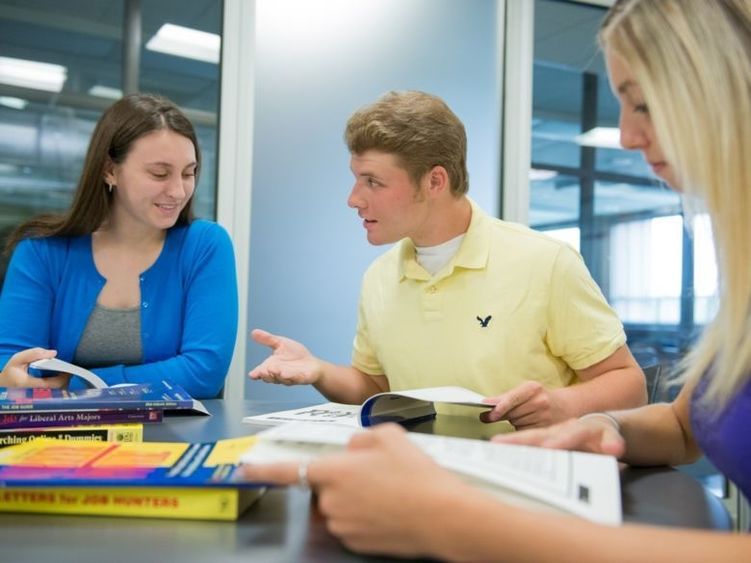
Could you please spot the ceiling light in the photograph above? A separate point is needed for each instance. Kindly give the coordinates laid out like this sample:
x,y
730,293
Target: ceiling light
x,y
11,102
186,42
105,92
601,137
32,74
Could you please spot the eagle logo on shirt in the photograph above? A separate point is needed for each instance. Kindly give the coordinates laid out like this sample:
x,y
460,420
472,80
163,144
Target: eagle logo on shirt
x,y
484,322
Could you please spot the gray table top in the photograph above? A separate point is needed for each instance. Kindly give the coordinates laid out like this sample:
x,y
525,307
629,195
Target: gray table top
x,y
283,525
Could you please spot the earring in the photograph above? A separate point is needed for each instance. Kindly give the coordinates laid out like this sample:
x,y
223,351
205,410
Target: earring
x,y
109,187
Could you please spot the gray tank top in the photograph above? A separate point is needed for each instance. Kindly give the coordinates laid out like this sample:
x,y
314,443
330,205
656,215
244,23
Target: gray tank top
x,y
111,337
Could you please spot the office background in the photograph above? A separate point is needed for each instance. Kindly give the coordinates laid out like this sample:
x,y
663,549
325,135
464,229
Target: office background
x,y
269,85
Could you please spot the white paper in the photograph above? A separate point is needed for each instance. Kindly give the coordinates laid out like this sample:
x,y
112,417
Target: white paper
x,y
55,364
326,413
579,483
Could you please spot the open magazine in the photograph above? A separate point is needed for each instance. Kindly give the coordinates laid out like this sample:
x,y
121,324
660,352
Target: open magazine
x,y
583,484
393,406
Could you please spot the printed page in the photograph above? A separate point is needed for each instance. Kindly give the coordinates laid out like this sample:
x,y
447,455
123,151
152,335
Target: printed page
x,y
327,413
584,484
581,483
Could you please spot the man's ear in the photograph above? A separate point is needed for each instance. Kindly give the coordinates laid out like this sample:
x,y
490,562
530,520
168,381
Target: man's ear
x,y
438,180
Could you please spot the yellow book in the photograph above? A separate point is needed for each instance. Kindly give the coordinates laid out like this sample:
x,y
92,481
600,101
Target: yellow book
x,y
189,503
99,433
146,479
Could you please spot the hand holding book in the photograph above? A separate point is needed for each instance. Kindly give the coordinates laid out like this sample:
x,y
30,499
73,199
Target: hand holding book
x,y
390,492
392,513
578,483
16,371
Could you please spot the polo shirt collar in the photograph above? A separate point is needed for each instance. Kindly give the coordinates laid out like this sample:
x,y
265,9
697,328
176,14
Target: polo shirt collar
x,y
472,254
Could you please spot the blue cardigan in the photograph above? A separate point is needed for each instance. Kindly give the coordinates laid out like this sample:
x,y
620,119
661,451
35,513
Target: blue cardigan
x,y
188,306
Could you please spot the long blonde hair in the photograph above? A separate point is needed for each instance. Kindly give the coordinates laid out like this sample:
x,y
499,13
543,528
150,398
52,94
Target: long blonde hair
x,y
692,60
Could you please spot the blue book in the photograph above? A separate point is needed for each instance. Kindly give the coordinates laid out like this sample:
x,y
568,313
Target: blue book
x,y
162,395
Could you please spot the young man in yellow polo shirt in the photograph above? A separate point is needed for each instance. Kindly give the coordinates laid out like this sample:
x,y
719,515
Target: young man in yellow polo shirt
x,y
462,298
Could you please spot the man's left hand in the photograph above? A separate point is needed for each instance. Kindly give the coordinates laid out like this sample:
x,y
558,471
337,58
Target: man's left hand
x,y
529,405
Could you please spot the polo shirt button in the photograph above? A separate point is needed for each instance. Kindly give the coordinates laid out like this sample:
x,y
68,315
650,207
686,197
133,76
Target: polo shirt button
x,y
145,305
432,289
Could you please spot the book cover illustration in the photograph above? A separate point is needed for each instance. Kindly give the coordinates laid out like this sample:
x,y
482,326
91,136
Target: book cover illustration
x,y
60,463
164,395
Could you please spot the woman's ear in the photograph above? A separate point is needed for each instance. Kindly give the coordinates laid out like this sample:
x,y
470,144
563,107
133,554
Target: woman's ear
x,y
109,173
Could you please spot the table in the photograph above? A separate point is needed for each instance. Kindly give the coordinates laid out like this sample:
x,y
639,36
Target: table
x,y
283,526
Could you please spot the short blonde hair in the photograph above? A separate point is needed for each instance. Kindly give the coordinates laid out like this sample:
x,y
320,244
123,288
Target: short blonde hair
x,y
692,60
419,129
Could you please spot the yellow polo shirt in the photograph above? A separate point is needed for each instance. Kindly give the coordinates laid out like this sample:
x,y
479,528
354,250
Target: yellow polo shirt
x,y
512,305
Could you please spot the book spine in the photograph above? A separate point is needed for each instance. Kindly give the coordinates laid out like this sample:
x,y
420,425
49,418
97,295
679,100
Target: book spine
x,y
43,419
138,502
108,433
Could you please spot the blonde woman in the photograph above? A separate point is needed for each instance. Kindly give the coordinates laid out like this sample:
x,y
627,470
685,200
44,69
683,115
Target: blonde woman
x,y
682,72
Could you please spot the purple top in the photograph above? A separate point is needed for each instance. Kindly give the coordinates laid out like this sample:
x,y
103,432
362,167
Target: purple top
x,y
725,439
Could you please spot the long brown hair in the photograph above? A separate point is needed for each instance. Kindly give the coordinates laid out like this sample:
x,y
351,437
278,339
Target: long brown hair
x,y
121,125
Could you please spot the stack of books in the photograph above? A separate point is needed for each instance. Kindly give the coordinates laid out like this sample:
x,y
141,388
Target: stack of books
x,y
115,413
148,479
82,452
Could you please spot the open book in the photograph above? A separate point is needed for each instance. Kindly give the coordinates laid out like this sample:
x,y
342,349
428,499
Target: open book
x,y
582,484
393,406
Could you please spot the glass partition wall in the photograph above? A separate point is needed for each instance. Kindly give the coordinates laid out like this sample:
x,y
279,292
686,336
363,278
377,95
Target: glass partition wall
x,y
63,63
